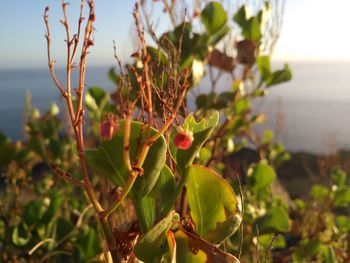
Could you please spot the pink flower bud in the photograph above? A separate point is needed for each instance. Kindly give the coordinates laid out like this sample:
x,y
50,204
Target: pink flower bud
x,y
183,139
108,127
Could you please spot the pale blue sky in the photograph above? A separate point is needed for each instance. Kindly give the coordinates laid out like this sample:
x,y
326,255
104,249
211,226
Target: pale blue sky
x,y
313,30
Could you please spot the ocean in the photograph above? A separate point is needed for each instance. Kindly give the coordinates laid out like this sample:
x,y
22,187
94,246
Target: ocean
x,y
311,113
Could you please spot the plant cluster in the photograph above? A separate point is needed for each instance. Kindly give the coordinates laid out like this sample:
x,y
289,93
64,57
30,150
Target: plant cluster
x,y
160,181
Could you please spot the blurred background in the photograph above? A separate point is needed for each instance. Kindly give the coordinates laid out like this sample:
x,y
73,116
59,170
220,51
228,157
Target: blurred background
x,y
309,113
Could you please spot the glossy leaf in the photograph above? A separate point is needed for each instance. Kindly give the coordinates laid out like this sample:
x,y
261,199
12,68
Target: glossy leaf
x,y
339,176
157,55
107,160
343,223
264,67
192,249
342,197
250,26
164,189
276,219
279,76
87,246
113,76
261,176
145,211
63,228
33,212
55,203
214,206
319,192
21,235
149,247
213,17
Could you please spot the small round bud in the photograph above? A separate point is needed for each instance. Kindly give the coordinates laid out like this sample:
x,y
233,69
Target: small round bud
x,y
183,139
108,127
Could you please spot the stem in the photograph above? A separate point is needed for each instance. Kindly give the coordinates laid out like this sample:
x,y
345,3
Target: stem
x,y
128,186
112,246
77,117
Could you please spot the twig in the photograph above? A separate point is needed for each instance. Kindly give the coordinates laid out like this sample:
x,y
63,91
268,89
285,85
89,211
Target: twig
x,y
241,227
270,247
51,63
66,176
257,243
39,244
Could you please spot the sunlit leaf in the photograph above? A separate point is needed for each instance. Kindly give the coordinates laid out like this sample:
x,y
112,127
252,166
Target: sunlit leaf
x,y
263,63
107,160
261,176
21,235
276,219
213,17
214,206
149,247
164,189
279,76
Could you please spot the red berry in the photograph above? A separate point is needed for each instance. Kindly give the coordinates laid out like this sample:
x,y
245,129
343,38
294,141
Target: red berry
x,y
183,139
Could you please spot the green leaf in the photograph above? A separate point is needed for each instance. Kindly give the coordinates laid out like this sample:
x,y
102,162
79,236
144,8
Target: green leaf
x,y
33,212
213,17
113,76
261,176
55,202
219,35
251,27
4,139
279,76
240,17
149,246
157,55
87,246
205,154
265,241
264,67
311,247
252,30
145,210
240,106
342,197
319,192
201,132
329,255
96,98
63,228
214,206
275,220
339,176
21,235
181,32
165,189
192,249
107,160
343,223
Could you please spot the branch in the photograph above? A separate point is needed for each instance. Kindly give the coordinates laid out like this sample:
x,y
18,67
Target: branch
x,y
51,62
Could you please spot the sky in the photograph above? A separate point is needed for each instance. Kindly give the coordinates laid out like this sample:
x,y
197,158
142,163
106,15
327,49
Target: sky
x,y
312,30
